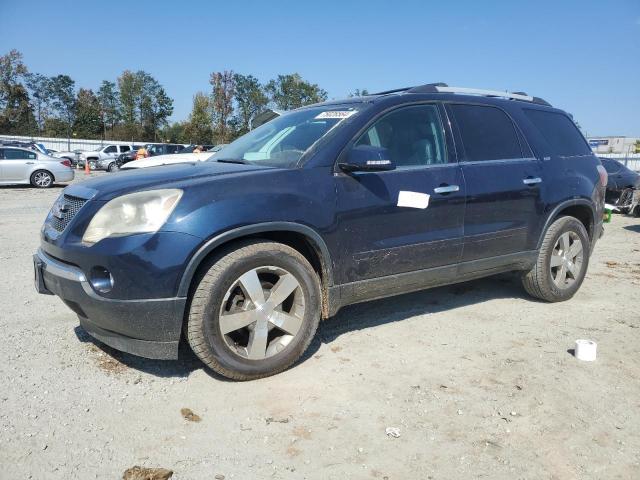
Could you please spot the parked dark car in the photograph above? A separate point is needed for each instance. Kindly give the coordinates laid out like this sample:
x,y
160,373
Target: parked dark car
x,y
620,178
190,148
154,149
127,157
325,206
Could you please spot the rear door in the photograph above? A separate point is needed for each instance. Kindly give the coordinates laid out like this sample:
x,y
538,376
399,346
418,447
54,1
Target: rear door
x,y
503,180
406,219
17,164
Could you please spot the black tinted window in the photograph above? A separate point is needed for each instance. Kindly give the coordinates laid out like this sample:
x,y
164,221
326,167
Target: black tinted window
x,y
111,149
14,154
487,133
560,132
412,136
124,148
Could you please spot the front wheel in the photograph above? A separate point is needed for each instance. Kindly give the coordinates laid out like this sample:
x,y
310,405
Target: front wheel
x,y
111,167
562,262
254,310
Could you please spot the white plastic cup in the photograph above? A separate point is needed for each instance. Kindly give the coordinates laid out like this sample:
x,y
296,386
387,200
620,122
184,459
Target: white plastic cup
x,y
586,350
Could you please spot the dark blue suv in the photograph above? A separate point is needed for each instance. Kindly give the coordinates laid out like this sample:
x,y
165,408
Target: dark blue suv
x,y
328,205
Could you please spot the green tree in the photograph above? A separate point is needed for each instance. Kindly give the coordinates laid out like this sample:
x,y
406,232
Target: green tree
x,y
359,93
40,87
198,129
88,120
108,98
250,100
223,91
63,101
291,91
16,115
175,133
130,90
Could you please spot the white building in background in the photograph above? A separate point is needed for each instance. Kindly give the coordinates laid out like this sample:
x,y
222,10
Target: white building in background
x,y
621,145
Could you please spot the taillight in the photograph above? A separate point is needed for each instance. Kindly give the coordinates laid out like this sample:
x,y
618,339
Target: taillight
x,y
604,176
66,163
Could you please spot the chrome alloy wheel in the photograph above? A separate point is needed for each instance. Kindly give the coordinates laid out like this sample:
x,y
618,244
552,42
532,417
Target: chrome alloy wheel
x,y
566,260
42,179
262,312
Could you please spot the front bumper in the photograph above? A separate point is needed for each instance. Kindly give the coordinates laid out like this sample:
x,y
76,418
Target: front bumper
x,y
149,328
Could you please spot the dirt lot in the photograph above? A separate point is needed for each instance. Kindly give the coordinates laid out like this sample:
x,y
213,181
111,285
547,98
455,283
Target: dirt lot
x,y
477,377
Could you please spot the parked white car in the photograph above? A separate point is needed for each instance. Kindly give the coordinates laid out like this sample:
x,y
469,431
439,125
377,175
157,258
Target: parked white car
x,y
168,160
24,166
104,152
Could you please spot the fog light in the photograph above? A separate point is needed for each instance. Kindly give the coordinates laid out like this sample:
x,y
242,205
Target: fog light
x,y
101,279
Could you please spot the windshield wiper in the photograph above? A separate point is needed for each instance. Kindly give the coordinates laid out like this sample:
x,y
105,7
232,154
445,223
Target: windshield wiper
x,y
232,160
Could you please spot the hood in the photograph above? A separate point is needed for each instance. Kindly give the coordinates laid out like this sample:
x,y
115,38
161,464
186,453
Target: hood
x,y
168,160
107,187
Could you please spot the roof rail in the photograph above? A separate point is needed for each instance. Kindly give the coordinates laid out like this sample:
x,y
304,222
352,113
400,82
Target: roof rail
x,y
395,90
444,88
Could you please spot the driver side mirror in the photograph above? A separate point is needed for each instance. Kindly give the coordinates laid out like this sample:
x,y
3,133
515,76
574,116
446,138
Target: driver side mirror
x,y
367,158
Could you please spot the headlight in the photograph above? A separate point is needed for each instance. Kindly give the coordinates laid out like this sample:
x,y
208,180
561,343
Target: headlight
x,y
141,212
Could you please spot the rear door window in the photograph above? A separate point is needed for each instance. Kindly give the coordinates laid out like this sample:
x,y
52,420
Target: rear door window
x,y
487,133
124,148
560,132
15,154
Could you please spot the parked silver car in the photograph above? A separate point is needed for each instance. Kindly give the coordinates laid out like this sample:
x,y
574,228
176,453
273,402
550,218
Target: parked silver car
x,y
23,166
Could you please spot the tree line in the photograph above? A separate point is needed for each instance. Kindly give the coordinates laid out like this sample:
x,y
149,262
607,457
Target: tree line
x,y
137,107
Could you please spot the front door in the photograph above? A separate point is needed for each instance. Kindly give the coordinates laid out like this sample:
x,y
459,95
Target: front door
x,y
406,219
503,182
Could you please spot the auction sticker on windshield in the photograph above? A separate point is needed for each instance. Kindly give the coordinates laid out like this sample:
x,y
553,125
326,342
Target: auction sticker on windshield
x,y
339,114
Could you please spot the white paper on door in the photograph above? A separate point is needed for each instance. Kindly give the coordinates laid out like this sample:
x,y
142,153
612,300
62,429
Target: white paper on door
x,y
413,199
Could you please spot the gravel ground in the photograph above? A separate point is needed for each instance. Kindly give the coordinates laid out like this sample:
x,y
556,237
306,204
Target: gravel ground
x,y
476,378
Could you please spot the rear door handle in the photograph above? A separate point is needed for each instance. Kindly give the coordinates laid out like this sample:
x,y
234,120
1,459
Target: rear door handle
x,y
447,189
531,180
30,163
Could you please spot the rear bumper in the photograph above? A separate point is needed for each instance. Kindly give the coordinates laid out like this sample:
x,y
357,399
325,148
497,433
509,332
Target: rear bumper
x,y
149,328
64,176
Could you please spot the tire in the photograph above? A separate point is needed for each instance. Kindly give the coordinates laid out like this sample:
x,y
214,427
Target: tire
x,y
42,179
225,291
544,280
111,167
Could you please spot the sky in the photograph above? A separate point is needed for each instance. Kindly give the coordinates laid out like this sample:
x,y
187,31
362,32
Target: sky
x,y
582,56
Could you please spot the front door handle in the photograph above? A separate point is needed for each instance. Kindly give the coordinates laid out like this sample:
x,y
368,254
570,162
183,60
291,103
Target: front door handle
x,y
531,180
446,189
30,163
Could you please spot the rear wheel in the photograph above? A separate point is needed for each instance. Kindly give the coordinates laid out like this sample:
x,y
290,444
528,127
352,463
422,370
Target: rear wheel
x,y
562,262
41,179
254,310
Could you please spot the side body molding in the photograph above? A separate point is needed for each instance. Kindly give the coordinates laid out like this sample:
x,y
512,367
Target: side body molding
x,y
314,237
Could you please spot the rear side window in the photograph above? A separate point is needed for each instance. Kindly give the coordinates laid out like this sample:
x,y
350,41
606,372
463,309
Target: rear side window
x,y
124,148
560,132
487,133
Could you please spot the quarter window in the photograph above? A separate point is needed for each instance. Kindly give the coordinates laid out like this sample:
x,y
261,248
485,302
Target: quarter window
x,y
413,136
487,133
560,132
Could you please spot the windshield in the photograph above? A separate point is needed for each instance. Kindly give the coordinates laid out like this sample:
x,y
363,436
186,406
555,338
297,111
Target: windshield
x,y
282,141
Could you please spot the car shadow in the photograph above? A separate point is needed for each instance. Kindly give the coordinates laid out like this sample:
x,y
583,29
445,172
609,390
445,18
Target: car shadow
x,y
633,228
354,317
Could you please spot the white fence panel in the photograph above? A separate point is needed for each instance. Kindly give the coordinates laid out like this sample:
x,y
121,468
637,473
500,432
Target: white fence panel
x,y
64,144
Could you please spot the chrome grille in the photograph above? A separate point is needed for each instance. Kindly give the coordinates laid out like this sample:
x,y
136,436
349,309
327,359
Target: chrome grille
x,y
63,211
